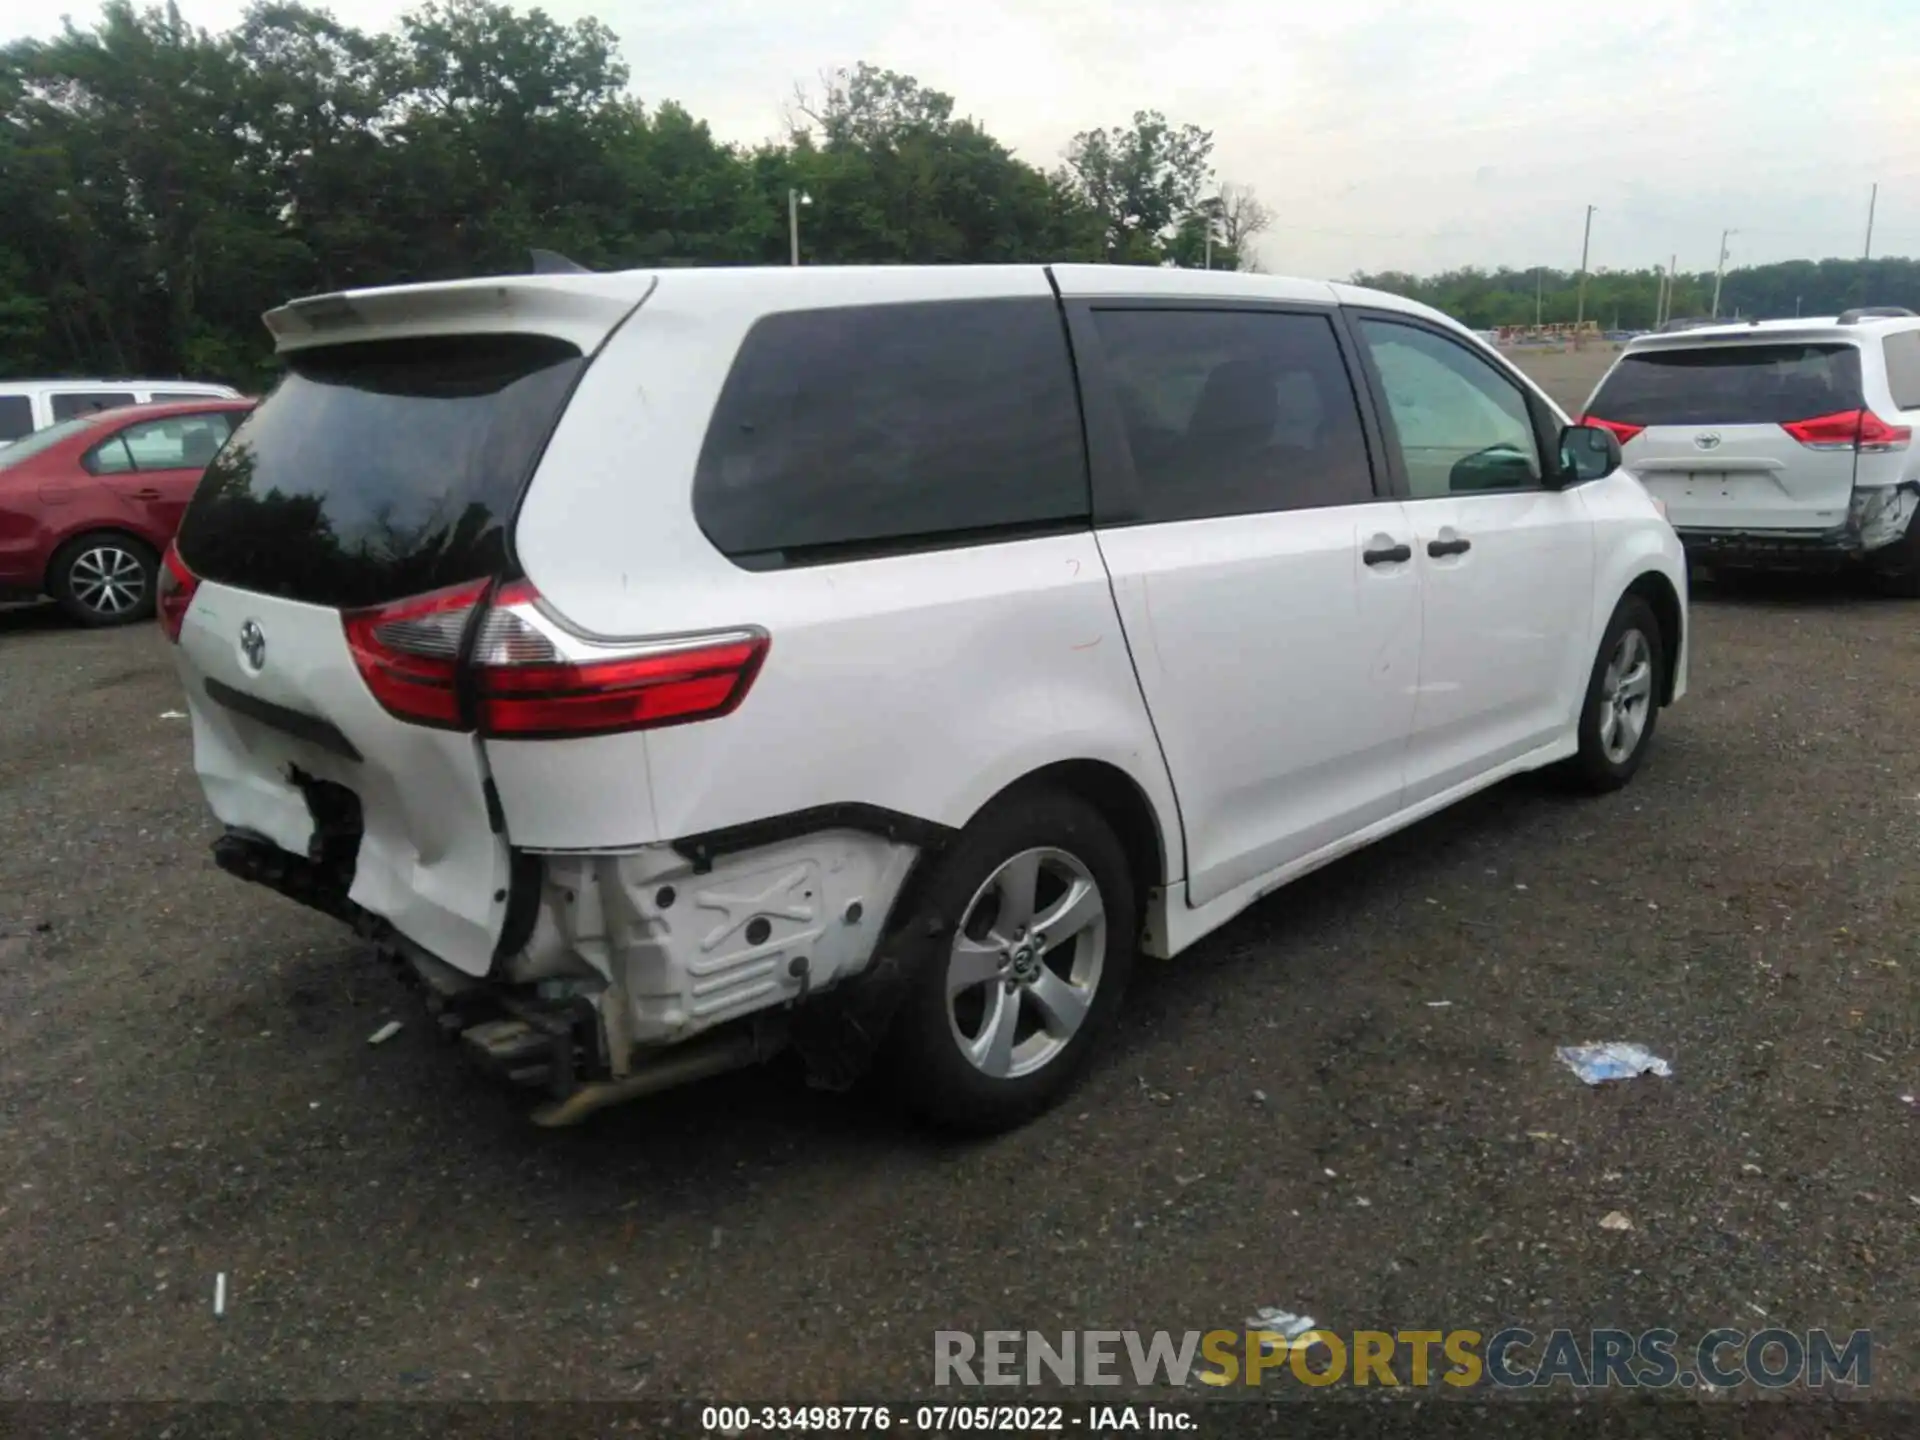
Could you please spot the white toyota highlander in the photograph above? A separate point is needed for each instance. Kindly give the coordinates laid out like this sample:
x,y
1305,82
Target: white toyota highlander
x,y
669,668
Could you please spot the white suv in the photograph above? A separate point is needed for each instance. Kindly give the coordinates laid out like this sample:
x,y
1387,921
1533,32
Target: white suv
x,y
668,668
1779,444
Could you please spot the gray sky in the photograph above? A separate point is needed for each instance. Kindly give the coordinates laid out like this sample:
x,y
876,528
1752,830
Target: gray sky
x,y
1404,134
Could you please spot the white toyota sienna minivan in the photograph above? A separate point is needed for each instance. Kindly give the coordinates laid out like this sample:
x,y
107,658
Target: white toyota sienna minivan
x,y
670,668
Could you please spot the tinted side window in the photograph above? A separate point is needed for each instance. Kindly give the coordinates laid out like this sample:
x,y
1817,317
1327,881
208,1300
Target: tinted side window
x,y
1903,368
890,425
1462,426
70,403
1235,412
162,397
16,416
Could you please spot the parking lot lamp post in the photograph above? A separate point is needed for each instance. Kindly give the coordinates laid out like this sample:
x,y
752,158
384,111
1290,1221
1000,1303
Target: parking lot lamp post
x,y
795,199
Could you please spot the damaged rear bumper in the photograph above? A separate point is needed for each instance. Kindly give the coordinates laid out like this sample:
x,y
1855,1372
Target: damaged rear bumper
x,y
1878,517
636,971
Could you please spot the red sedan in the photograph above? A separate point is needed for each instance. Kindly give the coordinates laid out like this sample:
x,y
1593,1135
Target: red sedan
x,y
88,506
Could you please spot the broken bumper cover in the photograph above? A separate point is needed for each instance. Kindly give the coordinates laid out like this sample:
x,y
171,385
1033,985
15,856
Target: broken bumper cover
x,y
640,970
1877,517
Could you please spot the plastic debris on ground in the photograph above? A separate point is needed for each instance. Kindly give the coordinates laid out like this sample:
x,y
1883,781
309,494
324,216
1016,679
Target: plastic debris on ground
x,y
1279,1330
385,1033
1615,1220
1615,1060
220,1294
173,714
1281,1327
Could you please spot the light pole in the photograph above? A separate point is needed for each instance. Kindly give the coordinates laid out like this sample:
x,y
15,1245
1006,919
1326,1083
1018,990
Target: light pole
x,y
1873,199
1580,306
1720,270
795,199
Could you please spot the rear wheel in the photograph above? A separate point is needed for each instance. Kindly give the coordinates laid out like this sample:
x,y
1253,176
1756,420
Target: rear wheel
x,y
1897,568
1021,945
104,578
1623,698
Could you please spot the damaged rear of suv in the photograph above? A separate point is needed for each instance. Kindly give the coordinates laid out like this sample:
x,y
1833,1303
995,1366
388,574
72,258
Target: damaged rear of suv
x,y
1779,444
460,636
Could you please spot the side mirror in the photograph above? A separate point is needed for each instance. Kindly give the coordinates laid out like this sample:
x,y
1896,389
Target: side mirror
x,y
1587,452
1498,467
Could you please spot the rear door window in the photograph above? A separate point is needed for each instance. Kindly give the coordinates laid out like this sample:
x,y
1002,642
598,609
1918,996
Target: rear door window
x,y
1731,385
16,417
867,429
163,397
381,469
179,442
69,403
1903,368
1234,412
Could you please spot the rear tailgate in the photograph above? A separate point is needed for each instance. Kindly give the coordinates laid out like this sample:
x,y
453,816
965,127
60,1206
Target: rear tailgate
x,y
1709,431
386,466
429,860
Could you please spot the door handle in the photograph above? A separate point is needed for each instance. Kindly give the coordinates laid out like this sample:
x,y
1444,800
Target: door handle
x,y
1388,555
146,494
1455,546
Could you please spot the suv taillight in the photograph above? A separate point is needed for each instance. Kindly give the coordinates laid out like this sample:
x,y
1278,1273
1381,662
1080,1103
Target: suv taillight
x,y
173,592
409,652
1850,430
1621,432
531,678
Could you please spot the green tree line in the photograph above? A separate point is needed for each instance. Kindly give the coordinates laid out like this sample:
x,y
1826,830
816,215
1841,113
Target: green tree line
x,y
1629,299
163,185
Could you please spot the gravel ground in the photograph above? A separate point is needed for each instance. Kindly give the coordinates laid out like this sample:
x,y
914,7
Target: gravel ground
x,y
187,1090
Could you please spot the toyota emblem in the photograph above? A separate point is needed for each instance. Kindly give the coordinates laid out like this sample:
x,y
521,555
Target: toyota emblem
x,y
253,644
1709,440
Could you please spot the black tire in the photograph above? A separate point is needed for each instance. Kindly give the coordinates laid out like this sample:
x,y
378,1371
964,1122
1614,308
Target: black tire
x,y
1603,764
925,1056
104,578
1896,569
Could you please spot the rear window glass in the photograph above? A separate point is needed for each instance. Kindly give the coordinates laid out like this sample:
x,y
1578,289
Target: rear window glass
x,y
892,426
70,403
16,416
39,440
380,470
1730,385
1903,368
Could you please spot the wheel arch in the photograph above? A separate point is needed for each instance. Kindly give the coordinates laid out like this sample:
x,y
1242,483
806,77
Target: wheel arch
x,y
1120,800
1658,591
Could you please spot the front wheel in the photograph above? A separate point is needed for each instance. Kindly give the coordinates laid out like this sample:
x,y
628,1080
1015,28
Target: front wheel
x,y
1623,698
1020,950
104,579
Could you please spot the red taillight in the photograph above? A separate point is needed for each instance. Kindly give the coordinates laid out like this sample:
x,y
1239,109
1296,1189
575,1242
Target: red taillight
x,y
529,689
1876,435
531,679
173,593
1850,430
409,652
1621,432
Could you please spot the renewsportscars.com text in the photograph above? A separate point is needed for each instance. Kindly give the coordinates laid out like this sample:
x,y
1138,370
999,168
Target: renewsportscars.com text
x,y
1512,1358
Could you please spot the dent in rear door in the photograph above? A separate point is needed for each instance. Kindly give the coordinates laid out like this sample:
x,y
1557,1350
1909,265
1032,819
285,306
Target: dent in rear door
x,y
430,861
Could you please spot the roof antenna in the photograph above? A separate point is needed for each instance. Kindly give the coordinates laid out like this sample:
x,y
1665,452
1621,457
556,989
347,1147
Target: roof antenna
x,y
549,262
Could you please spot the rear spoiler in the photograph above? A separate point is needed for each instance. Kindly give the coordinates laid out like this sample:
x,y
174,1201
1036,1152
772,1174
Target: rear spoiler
x,y
580,308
